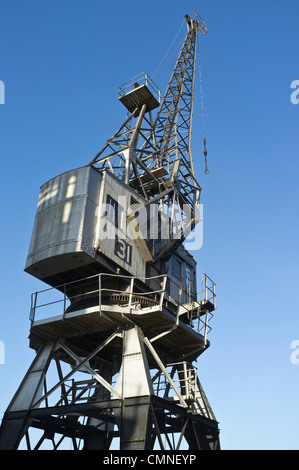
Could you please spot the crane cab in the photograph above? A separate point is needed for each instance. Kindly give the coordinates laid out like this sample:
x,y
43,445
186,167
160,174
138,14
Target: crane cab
x,y
76,231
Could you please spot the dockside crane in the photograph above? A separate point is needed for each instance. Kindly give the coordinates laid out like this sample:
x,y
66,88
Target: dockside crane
x,y
120,326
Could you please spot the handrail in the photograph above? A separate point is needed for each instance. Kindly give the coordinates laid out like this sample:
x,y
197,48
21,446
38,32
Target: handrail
x,y
146,79
130,293
195,320
194,294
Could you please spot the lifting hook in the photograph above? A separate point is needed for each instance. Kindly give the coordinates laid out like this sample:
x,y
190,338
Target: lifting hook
x,y
205,154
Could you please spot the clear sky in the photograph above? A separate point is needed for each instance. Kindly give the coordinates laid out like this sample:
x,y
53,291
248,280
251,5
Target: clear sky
x,y
61,63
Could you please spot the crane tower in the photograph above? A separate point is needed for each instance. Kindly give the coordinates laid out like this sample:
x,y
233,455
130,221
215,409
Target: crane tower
x,y
120,324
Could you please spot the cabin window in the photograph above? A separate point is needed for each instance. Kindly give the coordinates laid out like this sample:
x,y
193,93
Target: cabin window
x,y
176,267
112,210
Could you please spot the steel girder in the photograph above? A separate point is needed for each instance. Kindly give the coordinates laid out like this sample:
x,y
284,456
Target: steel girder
x,y
91,413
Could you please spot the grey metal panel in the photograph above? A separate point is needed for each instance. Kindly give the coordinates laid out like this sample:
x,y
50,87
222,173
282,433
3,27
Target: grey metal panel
x,y
129,257
68,223
59,216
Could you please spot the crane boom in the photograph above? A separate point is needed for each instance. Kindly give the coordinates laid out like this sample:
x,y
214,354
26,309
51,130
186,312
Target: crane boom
x,y
153,156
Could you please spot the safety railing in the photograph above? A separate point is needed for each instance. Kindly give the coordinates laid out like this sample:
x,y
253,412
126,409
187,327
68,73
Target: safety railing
x,y
207,291
141,79
76,295
59,299
198,307
83,391
183,376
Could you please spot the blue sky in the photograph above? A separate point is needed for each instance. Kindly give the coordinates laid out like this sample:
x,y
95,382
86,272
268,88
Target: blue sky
x,y
62,63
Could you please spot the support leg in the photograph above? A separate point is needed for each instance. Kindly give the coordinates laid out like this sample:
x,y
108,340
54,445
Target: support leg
x,y
30,391
135,387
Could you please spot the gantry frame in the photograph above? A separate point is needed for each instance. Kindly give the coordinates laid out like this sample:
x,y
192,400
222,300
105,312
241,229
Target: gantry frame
x,y
88,413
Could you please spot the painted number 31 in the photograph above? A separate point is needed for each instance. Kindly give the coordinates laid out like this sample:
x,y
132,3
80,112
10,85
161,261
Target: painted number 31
x,y
123,250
